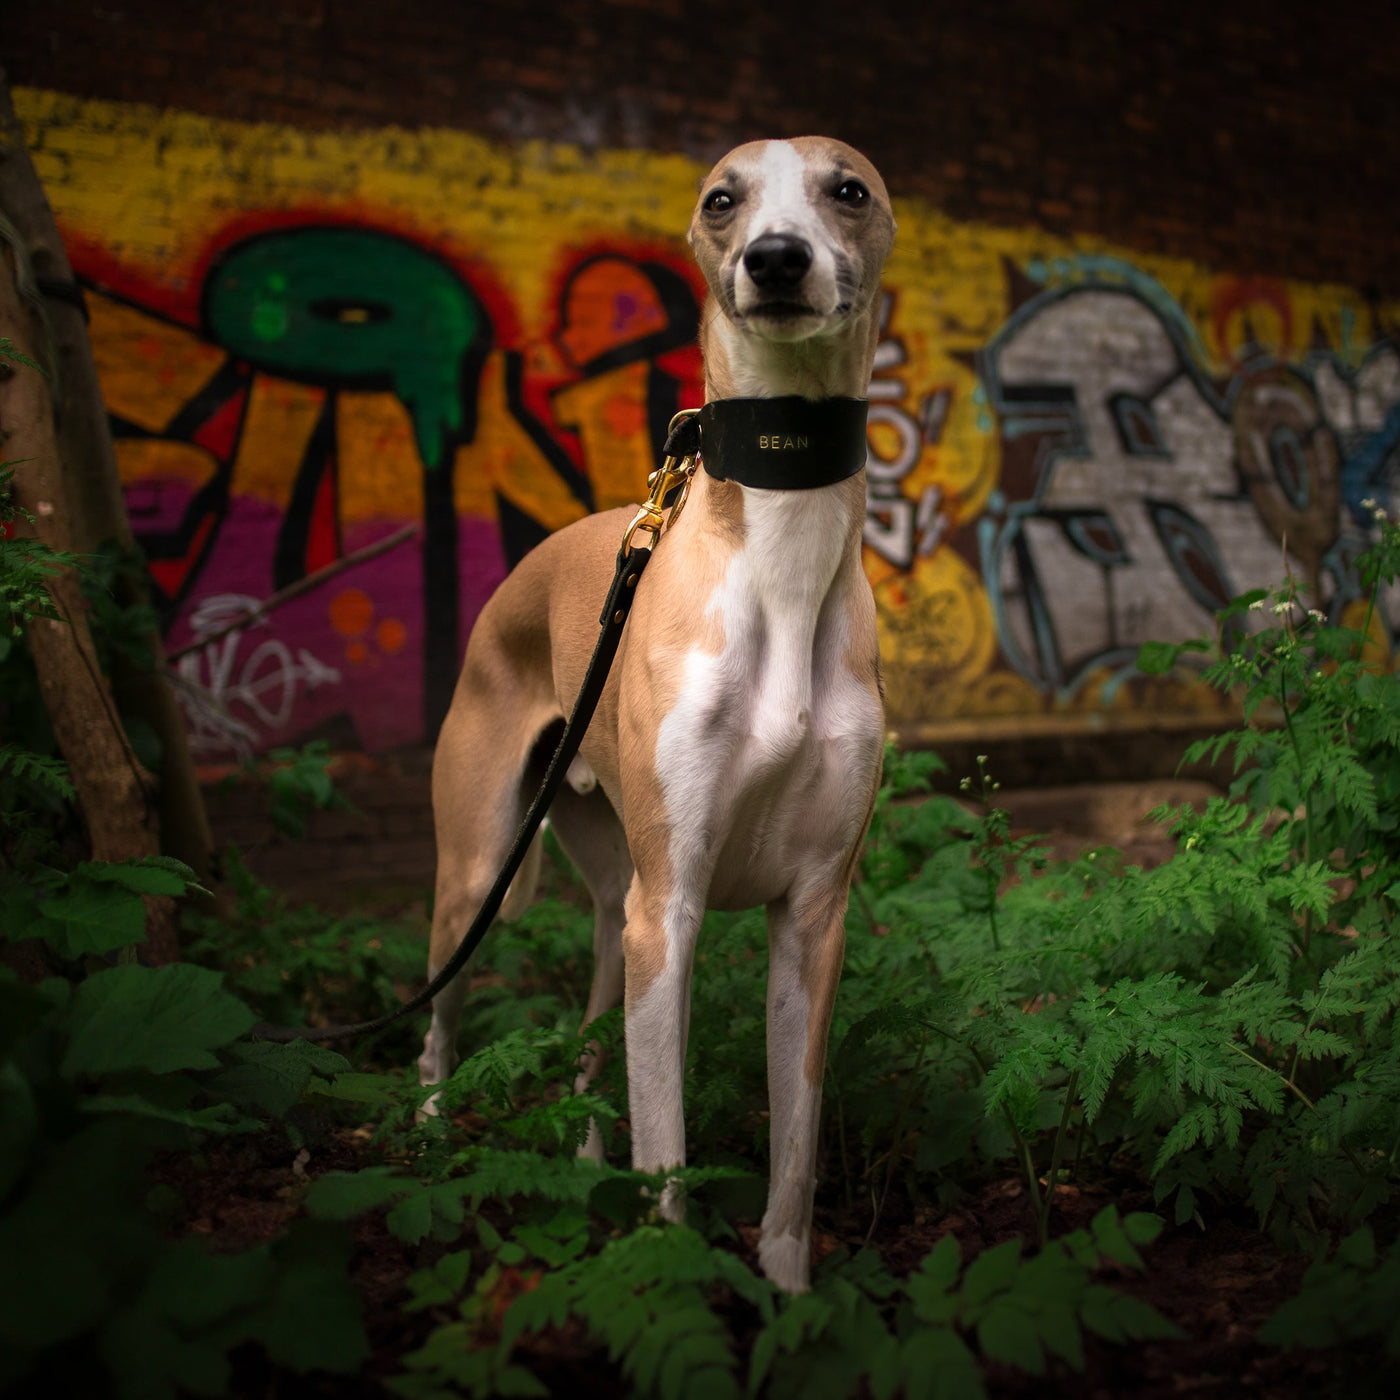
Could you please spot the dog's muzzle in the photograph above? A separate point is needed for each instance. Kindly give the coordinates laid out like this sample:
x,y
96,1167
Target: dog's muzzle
x,y
777,262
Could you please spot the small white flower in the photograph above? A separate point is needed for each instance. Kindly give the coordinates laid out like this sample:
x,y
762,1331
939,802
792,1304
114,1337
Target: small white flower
x,y
1317,616
1281,608
1257,605
1368,504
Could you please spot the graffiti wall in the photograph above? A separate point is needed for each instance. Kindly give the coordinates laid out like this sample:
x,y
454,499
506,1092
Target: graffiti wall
x,y
360,375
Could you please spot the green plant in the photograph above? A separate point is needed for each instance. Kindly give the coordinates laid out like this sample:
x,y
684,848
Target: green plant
x,y
664,1303
94,1079
1351,1296
299,782
297,965
107,1064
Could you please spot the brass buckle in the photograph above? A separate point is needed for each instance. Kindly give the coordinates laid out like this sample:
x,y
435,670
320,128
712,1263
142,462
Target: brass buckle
x,y
654,516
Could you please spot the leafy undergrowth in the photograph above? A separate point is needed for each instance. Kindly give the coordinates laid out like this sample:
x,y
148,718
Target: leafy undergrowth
x,y
1084,1123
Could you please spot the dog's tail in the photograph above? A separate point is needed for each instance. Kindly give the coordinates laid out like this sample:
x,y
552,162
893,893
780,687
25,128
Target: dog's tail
x,y
521,893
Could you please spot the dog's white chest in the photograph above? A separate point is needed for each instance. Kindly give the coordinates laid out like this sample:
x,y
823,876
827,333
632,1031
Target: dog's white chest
x,y
769,738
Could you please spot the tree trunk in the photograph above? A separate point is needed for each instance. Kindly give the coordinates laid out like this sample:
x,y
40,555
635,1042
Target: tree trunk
x,y
115,793
89,467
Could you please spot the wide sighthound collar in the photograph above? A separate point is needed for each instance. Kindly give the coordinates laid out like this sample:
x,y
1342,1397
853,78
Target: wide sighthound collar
x,y
779,444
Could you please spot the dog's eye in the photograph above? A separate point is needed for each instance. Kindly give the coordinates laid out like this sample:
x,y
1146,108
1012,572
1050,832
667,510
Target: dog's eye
x,y
718,202
852,192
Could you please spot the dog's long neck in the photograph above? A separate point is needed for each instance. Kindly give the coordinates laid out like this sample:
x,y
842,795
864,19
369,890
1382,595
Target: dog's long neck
x,y
794,542
742,366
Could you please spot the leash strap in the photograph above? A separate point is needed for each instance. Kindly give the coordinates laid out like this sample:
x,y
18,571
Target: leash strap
x,y
614,618
780,444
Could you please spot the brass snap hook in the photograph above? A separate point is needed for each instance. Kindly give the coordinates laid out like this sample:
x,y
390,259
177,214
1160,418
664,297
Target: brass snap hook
x,y
654,515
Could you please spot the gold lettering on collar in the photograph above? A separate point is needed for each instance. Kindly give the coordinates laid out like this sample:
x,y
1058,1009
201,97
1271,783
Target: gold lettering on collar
x,y
775,443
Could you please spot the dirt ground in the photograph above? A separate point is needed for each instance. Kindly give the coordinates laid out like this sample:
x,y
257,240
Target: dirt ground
x,y
1079,818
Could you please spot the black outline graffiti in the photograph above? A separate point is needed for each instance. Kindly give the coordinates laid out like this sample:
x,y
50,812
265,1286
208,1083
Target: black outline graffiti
x,y
1050,415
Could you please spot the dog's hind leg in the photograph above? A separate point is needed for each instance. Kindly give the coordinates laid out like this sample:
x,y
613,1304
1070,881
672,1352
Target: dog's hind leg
x,y
460,893
806,939
480,787
592,837
439,1057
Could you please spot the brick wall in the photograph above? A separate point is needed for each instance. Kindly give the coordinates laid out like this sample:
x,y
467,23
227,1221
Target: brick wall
x,y
1261,137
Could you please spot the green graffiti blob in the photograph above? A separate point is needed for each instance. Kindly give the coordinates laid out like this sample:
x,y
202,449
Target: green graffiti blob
x,y
351,308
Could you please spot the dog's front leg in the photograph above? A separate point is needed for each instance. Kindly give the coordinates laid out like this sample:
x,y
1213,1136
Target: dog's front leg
x,y
658,947
806,941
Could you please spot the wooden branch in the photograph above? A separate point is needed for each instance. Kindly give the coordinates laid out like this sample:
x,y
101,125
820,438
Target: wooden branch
x,y
295,590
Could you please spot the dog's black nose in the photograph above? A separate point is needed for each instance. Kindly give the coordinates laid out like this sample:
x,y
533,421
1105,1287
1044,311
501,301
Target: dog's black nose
x,y
778,261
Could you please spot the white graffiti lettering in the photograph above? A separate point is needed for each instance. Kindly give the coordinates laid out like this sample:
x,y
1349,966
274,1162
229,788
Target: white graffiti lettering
x,y
898,527
232,700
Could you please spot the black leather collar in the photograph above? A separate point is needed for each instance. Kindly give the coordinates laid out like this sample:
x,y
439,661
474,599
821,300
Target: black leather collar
x,y
783,444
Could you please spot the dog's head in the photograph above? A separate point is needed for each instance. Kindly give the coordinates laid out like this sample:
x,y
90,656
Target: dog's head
x,y
791,236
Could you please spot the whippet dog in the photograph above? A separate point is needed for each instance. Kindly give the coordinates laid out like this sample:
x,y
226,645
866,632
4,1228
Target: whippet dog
x,y
734,756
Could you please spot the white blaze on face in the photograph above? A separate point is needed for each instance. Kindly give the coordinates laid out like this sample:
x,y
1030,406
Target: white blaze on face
x,y
783,204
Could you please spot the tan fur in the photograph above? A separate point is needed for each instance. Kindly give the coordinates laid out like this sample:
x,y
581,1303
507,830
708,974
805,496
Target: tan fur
x,y
784,826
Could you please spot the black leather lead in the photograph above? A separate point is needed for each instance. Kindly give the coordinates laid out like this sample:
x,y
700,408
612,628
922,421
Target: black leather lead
x,y
779,444
64,290
613,620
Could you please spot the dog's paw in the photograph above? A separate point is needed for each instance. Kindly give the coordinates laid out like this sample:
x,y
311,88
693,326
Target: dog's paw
x,y
786,1260
591,1148
672,1203
429,1110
